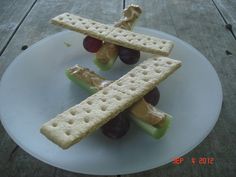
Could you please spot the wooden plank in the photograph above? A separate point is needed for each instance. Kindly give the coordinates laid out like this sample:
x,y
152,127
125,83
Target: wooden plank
x,y
15,162
228,10
199,23
12,13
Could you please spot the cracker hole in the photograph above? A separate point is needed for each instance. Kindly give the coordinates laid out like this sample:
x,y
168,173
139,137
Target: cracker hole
x,y
80,19
103,108
54,124
132,81
73,23
132,75
125,35
148,38
87,27
146,79
154,43
105,92
83,23
169,62
67,15
129,40
158,71
105,27
133,35
60,18
114,35
88,110
160,47
163,42
103,99
144,44
139,39
100,31
156,64
73,112
144,72
118,98
119,31
86,120
133,88
96,27
119,83
68,132
144,67
70,18
93,23
89,102
70,121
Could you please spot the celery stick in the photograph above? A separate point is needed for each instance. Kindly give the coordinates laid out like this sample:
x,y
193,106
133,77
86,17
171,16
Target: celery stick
x,y
155,132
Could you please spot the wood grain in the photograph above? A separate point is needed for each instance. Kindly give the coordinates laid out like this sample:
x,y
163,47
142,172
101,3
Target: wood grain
x,y
228,10
199,23
15,162
12,13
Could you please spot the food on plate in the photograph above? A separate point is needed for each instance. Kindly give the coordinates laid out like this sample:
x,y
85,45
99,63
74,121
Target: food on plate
x,y
153,96
84,118
114,35
116,127
106,56
108,53
92,44
141,110
129,56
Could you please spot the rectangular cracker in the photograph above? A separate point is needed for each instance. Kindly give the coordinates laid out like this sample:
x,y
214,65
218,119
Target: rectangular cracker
x,y
80,120
114,35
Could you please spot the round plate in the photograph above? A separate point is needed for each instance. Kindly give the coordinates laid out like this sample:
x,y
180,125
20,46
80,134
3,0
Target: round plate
x,y
34,89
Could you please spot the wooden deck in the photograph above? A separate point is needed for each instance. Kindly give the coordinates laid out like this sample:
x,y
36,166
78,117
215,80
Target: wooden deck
x,y
208,25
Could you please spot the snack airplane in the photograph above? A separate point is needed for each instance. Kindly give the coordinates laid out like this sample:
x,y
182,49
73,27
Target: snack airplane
x,y
108,101
80,120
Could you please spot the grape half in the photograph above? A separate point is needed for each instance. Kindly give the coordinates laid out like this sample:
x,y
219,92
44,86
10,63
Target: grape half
x,y
116,127
153,96
91,44
128,56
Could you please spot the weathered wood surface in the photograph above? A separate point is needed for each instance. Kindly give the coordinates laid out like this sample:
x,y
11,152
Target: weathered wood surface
x,y
14,162
12,13
228,10
198,22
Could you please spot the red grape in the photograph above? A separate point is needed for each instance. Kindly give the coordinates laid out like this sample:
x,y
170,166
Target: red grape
x,y
153,96
129,56
116,127
91,44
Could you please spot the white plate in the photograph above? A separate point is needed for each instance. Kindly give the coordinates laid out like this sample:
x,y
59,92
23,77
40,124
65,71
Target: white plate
x,y
34,89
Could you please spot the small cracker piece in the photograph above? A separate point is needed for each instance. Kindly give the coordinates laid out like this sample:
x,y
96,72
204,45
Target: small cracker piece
x,y
79,121
114,35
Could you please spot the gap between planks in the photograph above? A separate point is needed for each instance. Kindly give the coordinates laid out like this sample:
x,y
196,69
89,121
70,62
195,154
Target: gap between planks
x,y
224,19
17,27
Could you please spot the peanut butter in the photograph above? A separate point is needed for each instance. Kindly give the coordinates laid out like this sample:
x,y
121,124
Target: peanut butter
x,y
131,14
110,51
146,112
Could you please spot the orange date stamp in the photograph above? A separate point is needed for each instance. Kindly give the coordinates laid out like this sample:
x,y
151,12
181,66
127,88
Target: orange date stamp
x,y
194,160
